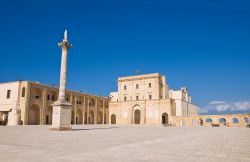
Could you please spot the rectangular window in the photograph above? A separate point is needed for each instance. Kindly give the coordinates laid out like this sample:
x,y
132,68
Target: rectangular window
x,y
137,86
8,94
48,97
150,97
149,85
53,97
125,98
125,87
137,97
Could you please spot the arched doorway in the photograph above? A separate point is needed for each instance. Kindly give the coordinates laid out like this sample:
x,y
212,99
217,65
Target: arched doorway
x,y
91,116
86,118
34,115
79,117
49,115
100,117
137,117
72,117
113,119
164,118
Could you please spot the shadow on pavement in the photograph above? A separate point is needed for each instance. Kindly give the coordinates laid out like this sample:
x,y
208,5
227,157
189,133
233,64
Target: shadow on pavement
x,y
93,128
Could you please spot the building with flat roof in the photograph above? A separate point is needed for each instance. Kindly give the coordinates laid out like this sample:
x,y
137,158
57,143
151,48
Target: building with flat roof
x,y
146,99
34,101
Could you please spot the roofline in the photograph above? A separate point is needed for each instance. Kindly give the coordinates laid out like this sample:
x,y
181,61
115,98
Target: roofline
x,y
132,77
54,87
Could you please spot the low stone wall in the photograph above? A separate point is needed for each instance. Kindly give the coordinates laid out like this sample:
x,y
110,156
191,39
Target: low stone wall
x,y
229,120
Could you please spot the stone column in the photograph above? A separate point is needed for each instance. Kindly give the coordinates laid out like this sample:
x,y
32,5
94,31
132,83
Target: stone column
x,y
61,108
103,111
75,109
83,111
88,113
96,111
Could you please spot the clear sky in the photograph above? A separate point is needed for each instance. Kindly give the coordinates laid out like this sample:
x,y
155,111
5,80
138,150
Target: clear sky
x,y
201,44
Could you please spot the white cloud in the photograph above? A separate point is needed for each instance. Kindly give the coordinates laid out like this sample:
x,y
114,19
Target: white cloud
x,y
223,106
217,102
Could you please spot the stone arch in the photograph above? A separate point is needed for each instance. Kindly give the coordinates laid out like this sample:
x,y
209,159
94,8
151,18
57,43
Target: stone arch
x,y
222,121
246,120
34,115
99,117
208,120
91,117
92,102
79,117
113,119
36,93
48,118
235,120
164,118
23,92
137,116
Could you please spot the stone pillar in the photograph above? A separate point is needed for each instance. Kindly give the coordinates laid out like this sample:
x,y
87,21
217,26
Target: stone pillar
x,y
88,112
75,109
103,111
83,111
44,108
61,108
96,111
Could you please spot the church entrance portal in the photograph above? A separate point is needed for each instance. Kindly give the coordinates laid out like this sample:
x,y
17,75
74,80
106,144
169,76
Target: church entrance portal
x,y
137,116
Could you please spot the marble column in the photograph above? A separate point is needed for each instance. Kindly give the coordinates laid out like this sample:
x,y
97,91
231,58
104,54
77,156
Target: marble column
x,y
61,120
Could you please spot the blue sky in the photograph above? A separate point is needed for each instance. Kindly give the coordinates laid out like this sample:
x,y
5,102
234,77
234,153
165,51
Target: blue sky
x,y
201,44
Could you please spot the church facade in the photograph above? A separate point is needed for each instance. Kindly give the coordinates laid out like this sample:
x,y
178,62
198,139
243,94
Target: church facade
x,y
147,99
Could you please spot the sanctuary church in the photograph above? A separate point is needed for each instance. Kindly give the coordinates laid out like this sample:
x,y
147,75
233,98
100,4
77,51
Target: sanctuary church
x,y
147,99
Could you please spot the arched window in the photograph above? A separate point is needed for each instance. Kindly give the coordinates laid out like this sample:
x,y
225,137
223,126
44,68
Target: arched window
x,y
222,120
23,92
235,120
208,120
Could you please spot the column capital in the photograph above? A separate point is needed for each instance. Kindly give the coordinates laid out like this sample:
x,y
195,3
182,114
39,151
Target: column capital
x,y
65,45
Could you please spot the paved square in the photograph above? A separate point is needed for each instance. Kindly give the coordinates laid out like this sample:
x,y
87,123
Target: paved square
x,y
108,143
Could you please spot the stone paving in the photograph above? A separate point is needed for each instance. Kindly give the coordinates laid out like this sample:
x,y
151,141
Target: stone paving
x,y
107,143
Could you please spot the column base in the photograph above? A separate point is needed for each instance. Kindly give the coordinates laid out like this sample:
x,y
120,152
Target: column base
x,y
61,120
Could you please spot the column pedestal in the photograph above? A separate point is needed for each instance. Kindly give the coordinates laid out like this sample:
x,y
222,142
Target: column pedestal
x,y
13,118
61,116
